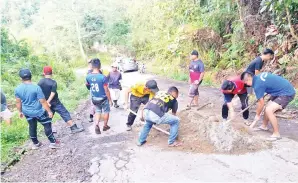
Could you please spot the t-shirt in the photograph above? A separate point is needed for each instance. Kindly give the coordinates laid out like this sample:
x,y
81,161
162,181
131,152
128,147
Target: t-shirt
x,y
272,84
47,86
239,85
138,91
3,102
30,94
162,103
256,64
96,82
195,69
114,79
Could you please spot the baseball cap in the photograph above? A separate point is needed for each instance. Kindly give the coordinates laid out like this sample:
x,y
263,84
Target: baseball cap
x,y
96,62
47,70
115,65
227,85
25,74
195,52
152,85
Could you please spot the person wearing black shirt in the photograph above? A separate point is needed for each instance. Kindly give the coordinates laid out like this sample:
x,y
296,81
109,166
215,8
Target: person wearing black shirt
x,y
256,65
155,112
49,89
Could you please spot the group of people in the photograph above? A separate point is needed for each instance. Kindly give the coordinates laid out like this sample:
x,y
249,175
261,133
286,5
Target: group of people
x,y
38,103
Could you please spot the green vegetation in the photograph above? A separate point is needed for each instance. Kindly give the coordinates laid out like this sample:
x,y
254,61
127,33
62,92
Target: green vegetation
x,y
15,55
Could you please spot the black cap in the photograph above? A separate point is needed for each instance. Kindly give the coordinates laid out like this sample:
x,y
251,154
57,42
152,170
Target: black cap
x,y
96,63
195,52
268,51
246,72
152,85
25,74
227,85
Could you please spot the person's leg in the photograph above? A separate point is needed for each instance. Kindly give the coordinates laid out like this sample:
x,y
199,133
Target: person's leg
x,y
33,129
271,108
173,121
48,131
144,133
135,103
91,112
106,114
244,103
193,94
225,111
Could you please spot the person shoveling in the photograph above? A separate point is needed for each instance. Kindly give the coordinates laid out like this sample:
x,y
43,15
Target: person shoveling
x,y
155,112
281,91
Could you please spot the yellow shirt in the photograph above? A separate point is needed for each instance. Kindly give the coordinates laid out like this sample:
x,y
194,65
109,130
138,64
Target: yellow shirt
x,y
138,90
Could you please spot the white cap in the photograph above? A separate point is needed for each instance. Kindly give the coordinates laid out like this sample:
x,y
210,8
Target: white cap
x,y
114,65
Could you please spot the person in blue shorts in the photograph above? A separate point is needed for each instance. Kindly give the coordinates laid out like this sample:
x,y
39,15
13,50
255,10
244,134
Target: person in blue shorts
x,y
281,91
100,95
32,104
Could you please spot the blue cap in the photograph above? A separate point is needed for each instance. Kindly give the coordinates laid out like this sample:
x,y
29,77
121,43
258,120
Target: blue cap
x,y
25,74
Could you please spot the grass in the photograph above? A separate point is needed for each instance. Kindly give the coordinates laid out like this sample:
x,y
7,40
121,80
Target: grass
x,y
16,134
294,103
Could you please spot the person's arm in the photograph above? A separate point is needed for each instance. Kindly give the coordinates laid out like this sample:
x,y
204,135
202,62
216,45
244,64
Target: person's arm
x,y
260,107
231,109
45,105
107,91
201,76
202,70
53,93
175,108
19,107
257,72
127,92
258,67
87,84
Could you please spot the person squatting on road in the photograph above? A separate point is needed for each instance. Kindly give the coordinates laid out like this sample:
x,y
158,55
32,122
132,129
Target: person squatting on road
x,y
281,92
196,75
140,94
98,85
32,104
5,113
231,87
49,89
256,65
155,112
114,78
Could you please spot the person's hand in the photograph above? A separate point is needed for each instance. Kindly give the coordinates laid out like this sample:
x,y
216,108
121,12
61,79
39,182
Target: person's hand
x,y
50,114
21,115
196,82
125,106
111,103
142,118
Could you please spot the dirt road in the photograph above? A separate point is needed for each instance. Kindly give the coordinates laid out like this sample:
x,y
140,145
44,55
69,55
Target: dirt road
x,y
114,157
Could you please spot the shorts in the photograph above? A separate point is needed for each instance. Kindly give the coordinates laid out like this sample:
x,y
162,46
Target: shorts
x,y
102,107
283,101
6,114
115,94
43,119
61,110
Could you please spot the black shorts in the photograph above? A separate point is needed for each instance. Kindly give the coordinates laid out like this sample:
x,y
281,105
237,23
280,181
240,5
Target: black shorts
x,y
283,101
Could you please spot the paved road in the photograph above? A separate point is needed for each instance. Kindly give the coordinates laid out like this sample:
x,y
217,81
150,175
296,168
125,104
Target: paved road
x,y
114,157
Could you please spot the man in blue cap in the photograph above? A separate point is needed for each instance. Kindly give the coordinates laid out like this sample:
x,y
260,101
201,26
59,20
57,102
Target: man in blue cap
x,y
32,104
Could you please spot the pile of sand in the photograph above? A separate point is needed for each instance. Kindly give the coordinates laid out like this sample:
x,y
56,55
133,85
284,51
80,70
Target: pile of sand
x,y
221,135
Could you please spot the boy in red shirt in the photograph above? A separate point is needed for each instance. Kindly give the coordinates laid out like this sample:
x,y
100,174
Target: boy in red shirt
x,y
230,88
196,75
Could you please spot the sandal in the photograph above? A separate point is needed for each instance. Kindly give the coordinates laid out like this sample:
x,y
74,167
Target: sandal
x,y
175,144
247,123
274,138
261,128
105,128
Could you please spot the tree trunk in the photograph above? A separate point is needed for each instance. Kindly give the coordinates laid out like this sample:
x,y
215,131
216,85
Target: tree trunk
x,y
80,41
289,17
